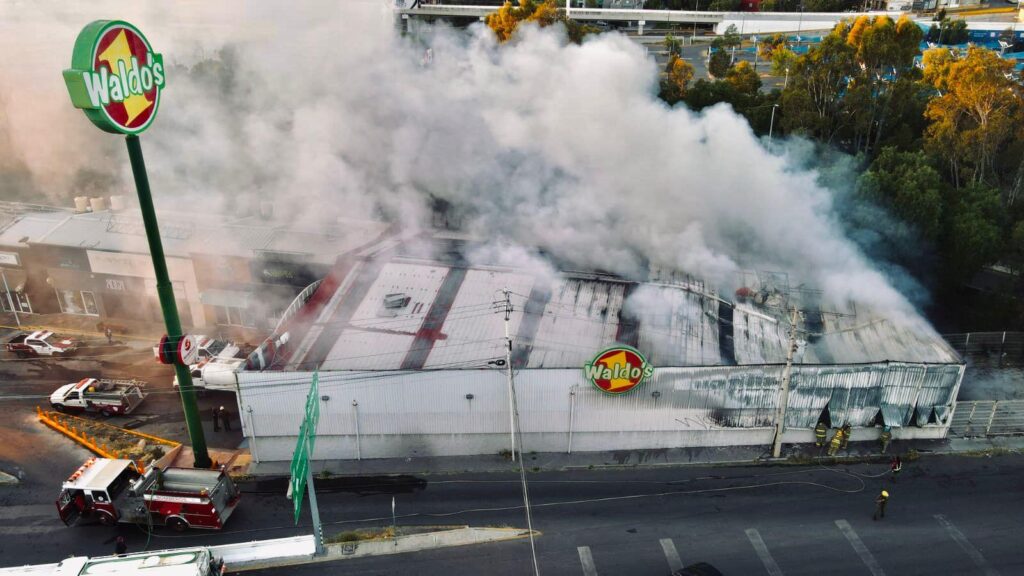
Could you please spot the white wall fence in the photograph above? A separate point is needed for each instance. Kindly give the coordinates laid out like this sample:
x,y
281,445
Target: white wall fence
x,y
465,412
988,418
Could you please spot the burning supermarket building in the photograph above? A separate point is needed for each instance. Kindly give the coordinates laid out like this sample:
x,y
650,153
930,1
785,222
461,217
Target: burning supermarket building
x,y
411,353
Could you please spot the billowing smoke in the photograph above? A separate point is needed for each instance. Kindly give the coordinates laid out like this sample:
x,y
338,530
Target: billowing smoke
x,y
328,112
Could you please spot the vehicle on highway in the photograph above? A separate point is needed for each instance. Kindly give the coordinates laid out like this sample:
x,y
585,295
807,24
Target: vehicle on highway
x,y
114,491
41,343
108,397
182,562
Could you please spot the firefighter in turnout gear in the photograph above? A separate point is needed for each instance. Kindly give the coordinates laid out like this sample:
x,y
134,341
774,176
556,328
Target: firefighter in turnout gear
x,y
836,442
880,503
847,432
885,438
820,431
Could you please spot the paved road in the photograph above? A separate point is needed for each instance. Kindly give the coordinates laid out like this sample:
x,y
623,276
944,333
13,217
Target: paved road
x,y
947,516
805,520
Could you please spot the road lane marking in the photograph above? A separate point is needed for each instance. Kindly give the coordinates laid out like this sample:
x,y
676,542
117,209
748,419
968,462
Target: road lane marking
x,y
964,543
587,560
762,551
674,563
858,546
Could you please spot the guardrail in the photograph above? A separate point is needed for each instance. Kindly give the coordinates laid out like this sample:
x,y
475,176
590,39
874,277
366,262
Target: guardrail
x,y
988,418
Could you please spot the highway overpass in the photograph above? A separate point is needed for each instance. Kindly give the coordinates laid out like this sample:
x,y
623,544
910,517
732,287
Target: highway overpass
x,y
745,22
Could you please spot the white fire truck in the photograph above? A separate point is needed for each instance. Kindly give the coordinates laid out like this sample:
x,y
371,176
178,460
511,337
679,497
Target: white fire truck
x,y
113,491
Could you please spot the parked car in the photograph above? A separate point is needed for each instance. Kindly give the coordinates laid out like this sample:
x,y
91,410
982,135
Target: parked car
x,y
41,343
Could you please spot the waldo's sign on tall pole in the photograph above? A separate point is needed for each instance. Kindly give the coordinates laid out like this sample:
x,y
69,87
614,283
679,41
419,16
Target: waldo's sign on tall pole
x,y
116,78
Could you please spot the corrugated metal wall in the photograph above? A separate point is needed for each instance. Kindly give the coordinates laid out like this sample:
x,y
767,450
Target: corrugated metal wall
x,y
460,402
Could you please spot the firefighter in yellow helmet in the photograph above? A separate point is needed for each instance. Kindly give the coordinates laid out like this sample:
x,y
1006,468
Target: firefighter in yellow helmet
x,y
837,441
880,503
847,432
819,433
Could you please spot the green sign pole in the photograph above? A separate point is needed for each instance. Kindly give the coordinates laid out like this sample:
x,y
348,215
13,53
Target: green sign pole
x,y
116,78
167,303
302,472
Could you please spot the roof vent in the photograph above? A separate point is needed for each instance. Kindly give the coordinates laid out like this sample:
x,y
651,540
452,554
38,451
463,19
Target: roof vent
x,y
396,301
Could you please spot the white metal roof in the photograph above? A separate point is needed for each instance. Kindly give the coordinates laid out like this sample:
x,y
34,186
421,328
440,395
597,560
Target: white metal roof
x,y
184,234
563,322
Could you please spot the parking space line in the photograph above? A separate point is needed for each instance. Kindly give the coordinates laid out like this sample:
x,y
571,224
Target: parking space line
x,y
964,543
858,546
587,560
674,563
762,551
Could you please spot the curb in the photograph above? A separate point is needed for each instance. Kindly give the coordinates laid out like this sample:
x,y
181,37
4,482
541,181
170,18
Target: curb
x,y
795,460
463,536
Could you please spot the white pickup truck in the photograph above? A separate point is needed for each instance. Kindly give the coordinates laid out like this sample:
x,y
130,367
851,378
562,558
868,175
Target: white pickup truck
x,y
108,397
208,348
214,374
41,343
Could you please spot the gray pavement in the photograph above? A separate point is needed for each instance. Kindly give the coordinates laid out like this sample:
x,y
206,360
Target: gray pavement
x,y
950,515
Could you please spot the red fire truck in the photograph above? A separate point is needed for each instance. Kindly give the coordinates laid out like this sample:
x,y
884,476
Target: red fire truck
x,y
113,491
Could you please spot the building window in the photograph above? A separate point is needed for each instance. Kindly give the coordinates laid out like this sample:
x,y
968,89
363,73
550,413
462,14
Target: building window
x,y
231,316
20,301
77,302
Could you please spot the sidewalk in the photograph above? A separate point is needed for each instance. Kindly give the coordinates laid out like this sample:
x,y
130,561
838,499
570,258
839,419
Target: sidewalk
x,y
696,456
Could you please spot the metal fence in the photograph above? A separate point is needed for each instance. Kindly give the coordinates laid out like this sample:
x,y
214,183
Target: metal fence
x,y
1010,344
988,418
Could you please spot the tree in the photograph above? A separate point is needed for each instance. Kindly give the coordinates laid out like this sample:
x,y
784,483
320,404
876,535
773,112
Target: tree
x,y
505,20
974,114
676,80
673,45
906,184
973,237
769,44
719,62
813,101
783,60
743,78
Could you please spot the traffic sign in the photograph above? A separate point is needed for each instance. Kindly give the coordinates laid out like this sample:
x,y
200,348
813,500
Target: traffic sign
x,y
304,447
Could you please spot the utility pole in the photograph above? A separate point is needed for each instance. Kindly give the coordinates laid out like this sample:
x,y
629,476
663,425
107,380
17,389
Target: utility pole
x,y
771,125
787,372
508,367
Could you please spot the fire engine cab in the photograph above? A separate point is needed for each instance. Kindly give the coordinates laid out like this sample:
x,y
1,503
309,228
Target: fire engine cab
x,y
113,491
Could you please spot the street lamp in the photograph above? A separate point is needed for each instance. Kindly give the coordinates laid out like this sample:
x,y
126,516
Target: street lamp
x,y
696,8
771,124
786,83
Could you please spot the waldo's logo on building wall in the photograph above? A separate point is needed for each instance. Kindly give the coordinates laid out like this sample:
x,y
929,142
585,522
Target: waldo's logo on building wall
x,y
115,77
618,369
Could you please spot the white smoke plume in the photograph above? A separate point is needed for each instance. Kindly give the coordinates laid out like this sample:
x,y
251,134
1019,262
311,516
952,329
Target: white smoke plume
x,y
325,109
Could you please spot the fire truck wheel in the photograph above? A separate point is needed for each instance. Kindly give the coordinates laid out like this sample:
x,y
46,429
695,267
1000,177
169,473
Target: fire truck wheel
x,y
177,524
105,518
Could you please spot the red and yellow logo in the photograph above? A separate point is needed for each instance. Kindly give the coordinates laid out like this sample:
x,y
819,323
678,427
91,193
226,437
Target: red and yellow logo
x,y
618,369
115,77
